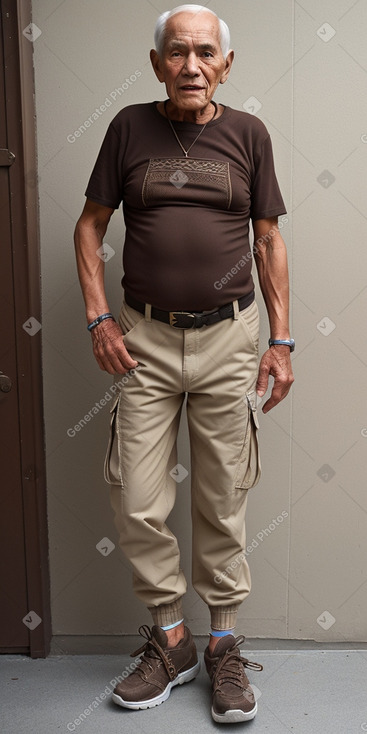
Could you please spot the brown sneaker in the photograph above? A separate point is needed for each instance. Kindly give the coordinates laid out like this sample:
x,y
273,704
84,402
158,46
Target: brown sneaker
x,y
160,669
233,698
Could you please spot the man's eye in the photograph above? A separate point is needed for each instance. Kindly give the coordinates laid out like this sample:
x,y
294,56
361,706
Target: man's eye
x,y
175,53
208,55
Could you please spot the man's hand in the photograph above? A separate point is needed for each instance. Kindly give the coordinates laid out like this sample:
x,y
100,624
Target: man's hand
x,y
109,348
276,362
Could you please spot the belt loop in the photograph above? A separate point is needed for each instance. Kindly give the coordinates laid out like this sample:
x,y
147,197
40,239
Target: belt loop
x,y
148,312
236,310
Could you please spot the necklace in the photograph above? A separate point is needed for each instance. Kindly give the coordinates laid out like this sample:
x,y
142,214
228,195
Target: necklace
x,y
186,152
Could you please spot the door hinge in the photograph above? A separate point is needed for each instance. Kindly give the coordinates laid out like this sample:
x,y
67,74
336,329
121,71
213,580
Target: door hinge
x,y
7,158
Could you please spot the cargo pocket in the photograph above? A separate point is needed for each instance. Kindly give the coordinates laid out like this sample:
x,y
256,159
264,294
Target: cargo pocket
x,y
249,467
112,472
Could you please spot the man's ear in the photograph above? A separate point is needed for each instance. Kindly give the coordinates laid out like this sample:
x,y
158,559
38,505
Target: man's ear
x,y
156,64
229,62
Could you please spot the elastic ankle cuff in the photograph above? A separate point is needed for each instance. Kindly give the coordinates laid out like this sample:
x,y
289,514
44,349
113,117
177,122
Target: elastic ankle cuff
x,y
223,617
167,614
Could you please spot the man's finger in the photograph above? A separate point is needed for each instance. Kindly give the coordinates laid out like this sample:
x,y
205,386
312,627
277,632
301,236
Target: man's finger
x,y
114,363
120,358
262,380
279,392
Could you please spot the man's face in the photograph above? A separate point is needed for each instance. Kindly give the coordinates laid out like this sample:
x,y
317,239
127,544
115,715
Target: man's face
x,y
192,63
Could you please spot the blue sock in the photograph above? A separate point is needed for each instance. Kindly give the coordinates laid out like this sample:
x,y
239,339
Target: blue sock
x,y
222,633
170,626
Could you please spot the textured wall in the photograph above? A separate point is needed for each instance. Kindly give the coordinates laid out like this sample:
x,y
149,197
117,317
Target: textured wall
x,y
305,64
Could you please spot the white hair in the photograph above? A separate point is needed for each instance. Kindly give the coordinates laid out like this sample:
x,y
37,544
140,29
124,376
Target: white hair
x,y
160,27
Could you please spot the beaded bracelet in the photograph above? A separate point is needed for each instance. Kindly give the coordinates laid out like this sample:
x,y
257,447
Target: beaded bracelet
x,y
98,320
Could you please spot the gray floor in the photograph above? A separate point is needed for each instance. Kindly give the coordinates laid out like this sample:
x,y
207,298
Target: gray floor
x,y
303,688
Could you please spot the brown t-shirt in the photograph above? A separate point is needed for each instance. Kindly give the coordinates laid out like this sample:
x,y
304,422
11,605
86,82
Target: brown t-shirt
x,y
187,219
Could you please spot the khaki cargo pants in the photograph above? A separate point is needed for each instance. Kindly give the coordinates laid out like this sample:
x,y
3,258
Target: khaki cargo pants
x,y
217,367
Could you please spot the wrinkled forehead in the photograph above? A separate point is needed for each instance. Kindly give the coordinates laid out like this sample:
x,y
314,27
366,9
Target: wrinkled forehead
x,y
201,27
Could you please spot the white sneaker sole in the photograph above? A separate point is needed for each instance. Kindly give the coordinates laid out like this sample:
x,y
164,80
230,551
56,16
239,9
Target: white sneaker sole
x,y
232,716
183,677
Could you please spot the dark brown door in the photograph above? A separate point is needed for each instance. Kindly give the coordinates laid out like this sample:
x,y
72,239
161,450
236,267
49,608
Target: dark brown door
x,y
24,605
12,555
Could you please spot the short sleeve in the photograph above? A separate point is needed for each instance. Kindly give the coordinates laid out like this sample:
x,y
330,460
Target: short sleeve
x,y
266,199
105,183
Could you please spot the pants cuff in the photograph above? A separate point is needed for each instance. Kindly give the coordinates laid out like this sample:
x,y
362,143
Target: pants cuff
x,y
166,614
224,617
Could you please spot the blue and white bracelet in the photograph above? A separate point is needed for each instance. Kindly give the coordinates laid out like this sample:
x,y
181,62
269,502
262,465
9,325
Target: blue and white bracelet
x,y
98,320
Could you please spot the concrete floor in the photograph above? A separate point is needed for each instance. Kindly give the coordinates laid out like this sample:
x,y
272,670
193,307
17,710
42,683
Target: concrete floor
x,y
303,689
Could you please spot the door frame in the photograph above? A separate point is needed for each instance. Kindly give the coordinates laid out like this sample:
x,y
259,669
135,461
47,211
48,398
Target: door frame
x,y
20,115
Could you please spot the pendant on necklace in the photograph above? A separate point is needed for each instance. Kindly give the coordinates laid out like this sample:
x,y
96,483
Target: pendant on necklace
x,y
186,152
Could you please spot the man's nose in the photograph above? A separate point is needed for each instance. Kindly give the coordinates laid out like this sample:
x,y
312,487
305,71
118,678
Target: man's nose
x,y
191,64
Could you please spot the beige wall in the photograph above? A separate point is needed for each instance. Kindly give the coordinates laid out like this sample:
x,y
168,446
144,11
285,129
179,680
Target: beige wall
x,y
312,92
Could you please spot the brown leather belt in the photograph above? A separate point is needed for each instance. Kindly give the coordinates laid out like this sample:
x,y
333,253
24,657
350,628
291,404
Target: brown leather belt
x,y
191,319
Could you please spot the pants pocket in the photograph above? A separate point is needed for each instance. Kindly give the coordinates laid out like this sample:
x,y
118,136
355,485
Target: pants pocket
x,y
129,319
248,471
112,472
249,318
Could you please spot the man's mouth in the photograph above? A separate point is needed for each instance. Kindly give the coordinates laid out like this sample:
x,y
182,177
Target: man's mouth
x,y
191,87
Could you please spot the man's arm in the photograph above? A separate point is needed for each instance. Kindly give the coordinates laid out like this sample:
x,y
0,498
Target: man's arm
x,y
271,262
108,344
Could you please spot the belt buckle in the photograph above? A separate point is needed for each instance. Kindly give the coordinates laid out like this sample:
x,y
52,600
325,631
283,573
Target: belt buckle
x,y
181,319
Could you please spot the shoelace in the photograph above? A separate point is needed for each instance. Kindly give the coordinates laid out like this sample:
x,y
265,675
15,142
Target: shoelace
x,y
228,669
152,650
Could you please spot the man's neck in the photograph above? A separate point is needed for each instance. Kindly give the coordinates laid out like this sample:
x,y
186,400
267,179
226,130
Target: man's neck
x,y
199,117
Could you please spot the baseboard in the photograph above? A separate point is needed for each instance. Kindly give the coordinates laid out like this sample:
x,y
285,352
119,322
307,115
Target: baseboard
x,y
126,644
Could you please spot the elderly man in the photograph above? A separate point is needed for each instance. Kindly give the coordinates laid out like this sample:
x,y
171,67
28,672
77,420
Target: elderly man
x,y
191,173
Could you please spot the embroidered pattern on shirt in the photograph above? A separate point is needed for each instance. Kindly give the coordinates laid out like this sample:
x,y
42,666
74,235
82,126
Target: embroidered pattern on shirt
x,y
187,180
